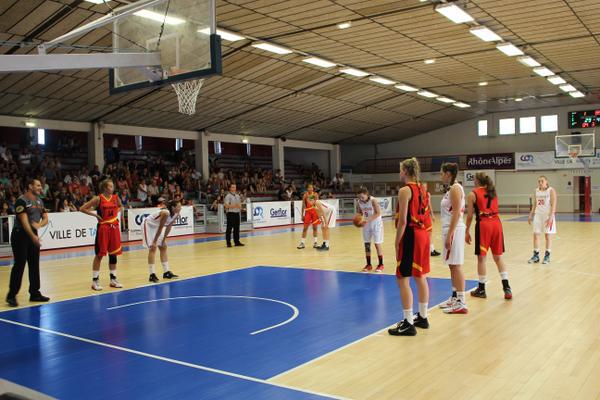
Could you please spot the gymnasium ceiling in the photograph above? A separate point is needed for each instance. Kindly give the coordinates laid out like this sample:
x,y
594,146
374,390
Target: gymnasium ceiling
x,y
263,94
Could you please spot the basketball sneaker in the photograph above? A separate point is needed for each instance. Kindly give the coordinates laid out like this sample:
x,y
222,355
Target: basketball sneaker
x,y
546,258
403,328
420,322
535,258
115,283
448,303
322,247
379,268
153,278
479,293
169,275
367,268
96,285
301,246
435,253
457,308
507,293
316,245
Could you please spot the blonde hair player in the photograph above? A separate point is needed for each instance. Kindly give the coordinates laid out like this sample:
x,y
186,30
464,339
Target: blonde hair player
x,y
412,249
326,213
309,215
372,228
483,203
156,229
544,221
453,237
108,234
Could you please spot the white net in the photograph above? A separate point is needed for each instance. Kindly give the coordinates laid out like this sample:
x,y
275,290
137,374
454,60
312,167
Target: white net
x,y
187,93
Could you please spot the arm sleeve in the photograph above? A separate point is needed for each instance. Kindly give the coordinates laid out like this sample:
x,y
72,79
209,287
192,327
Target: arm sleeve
x,y
20,206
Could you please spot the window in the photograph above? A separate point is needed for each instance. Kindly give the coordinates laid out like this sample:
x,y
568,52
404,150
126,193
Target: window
x,y
549,123
527,125
482,127
41,136
506,126
178,144
218,149
138,143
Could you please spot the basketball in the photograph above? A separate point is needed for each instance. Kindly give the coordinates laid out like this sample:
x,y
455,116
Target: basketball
x,y
358,220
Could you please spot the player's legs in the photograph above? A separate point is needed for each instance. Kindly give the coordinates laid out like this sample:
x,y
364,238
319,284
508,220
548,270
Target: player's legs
x,y
114,247
405,327
503,275
164,260
325,233
368,267
548,248
535,258
482,272
112,266
100,247
379,257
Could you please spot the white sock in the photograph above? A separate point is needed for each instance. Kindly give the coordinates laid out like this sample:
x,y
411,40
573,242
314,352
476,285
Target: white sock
x,y
326,243
504,275
536,250
548,251
302,240
95,274
482,279
113,272
423,310
315,240
461,297
408,315
165,266
431,248
151,268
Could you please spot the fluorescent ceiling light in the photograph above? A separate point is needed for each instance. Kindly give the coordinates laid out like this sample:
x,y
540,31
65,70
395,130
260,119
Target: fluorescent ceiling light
x,y
245,141
446,100
319,62
354,72
97,1
272,48
556,80
454,13
426,93
406,88
576,93
226,35
461,105
30,124
344,25
509,49
381,80
519,99
528,61
154,16
429,61
485,34
483,83
567,88
543,71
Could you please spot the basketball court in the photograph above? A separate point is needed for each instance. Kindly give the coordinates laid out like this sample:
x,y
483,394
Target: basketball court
x,y
354,87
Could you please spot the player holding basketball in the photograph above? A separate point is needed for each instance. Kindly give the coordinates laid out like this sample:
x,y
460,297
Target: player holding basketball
x,y
372,227
325,212
155,229
542,215
412,249
453,237
483,202
108,233
311,216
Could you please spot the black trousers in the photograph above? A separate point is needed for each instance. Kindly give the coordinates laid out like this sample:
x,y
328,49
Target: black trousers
x,y
233,223
24,251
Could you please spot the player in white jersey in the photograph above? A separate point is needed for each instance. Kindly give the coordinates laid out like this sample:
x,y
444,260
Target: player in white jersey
x,y
326,213
453,236
372,228
155,229
542,217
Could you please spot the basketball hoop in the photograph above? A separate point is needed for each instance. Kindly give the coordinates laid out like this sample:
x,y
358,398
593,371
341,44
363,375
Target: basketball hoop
x,y
187,93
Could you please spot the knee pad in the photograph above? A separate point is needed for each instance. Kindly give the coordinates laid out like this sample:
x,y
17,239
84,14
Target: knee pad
x,y
112,259
367,247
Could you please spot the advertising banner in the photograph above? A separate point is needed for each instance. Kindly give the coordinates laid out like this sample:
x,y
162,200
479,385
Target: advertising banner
x,y
183,225
491,161
68,230
273,213
386,206
298,210
469,180
541,160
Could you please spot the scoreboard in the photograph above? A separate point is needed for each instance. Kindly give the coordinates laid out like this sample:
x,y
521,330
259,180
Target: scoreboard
x,y
584,119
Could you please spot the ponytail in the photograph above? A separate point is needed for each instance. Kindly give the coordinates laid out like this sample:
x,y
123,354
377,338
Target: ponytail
x,y
411,167
172,204
488,183
453,169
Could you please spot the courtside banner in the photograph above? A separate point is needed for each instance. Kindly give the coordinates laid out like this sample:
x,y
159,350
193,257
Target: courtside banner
x,y
385,203
272,213
183,225
298,210
470,176
541,160
68,229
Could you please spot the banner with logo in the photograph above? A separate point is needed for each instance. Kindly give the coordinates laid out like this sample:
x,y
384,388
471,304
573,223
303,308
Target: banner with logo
x,y
470,177
68,230
385,203
541,160
183,225
273,213
491,161
332,202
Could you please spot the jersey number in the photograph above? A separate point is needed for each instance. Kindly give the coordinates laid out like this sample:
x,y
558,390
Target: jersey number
x,y
541,202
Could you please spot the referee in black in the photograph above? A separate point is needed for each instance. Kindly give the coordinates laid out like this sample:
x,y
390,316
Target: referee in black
x,y
31,216
233,209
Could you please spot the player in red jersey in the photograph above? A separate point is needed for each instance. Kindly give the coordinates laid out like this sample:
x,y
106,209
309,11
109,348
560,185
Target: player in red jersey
x,y
108,233
429,220
311,215
412,249
483,203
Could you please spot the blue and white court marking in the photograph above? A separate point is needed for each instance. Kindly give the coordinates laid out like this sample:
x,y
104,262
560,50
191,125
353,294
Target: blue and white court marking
x,y
214,337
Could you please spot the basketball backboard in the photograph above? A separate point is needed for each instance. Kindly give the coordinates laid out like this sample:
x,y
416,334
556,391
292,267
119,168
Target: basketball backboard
x,y
582,145
182,31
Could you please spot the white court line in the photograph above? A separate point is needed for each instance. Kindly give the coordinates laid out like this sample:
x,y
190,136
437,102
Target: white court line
x,y
295,310
170,360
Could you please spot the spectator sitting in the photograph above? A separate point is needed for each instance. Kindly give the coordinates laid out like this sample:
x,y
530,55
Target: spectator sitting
x,y
124,196
215,204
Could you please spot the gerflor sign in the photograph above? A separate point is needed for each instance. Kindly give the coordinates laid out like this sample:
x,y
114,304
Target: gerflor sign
x,y
271,213
491,161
